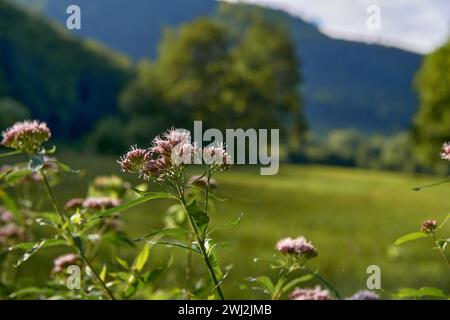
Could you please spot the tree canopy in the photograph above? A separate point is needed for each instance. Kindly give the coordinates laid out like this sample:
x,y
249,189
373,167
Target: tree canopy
x,y
432,122
228,78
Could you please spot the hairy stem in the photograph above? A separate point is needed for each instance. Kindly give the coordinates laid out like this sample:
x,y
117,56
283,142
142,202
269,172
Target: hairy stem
x,y
64,219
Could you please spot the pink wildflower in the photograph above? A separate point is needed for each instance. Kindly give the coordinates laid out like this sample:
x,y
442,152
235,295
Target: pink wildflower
x,y
100,203
27,136
445,154
429,226
310,294
298,246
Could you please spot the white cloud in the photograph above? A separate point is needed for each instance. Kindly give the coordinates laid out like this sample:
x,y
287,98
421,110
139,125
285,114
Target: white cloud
x,y
417,25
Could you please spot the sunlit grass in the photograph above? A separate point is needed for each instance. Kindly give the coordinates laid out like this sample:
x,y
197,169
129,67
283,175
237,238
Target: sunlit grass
x,y
352,216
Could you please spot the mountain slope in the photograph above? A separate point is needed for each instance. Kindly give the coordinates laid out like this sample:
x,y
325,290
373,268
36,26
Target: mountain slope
x,y
346,84
64,81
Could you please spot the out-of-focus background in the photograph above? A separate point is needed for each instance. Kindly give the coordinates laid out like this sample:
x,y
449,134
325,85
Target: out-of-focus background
x,y
363,114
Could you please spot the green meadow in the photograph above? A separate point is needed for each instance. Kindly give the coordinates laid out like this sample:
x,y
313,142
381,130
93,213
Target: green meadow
x,y
352,215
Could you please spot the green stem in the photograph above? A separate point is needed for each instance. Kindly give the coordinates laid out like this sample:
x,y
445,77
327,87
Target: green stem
x,y
201,243
64,219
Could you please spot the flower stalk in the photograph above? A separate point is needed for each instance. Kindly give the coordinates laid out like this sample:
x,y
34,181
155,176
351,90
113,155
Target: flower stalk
x,y
72,238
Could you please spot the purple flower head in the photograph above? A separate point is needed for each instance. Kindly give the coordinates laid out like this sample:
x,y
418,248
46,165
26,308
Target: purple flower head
x,y
217,156
135,161
5,216
27,136
62,262
100,203
364,295
445,154
11,231
299,246
74,204
316,293
429,226
174,147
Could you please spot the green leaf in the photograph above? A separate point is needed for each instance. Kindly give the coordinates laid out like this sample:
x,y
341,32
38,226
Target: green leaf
x,y
29,245
420,293
78,242
102,274
152,275
163,232
65,168
264,281
290,285
131,204
32,248
199,217
141,259
123,263
410,237
214,262
36,162
118,239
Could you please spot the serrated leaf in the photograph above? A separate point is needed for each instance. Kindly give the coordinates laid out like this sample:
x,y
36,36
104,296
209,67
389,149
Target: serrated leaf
x,y
131,204
410,237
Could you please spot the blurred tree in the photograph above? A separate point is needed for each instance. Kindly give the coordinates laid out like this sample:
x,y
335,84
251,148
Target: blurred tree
x,y
206,71
432,122
12,111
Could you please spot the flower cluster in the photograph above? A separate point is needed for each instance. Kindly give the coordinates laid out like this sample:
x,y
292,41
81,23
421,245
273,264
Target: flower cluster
x,y
100,203
27,136
217,156
316,293
429,226
62,262
9,230
445,154
299,246
74,204
168,152
365,295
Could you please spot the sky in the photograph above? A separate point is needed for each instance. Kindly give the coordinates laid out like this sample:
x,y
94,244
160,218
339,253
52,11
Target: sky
x,y
415,25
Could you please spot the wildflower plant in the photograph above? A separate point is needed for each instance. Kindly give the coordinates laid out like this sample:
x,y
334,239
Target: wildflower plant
x,y
429,229
27,138
164,164
291,264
